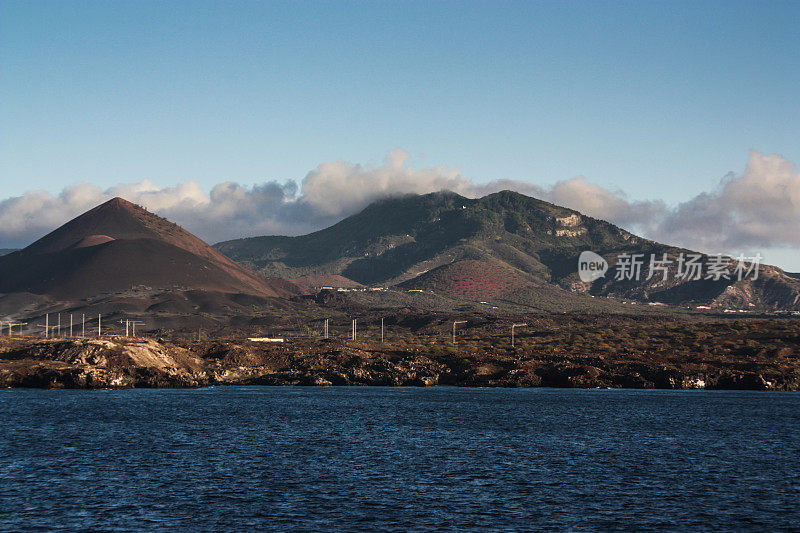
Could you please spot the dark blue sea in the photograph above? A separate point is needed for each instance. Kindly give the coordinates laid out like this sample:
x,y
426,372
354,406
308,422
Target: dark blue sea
x,y
398,459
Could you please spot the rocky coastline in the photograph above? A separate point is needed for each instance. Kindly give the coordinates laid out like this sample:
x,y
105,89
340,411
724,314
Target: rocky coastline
x,y
117,363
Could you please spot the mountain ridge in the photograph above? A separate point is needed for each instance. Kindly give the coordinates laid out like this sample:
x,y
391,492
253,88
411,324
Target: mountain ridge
x,y
395,241
118,245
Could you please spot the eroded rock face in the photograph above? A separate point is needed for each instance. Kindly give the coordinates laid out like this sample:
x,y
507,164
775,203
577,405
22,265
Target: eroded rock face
x,y
98,363
122,363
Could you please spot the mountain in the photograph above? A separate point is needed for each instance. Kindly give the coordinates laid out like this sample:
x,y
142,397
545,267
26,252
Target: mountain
x,y
119,246
503,246
6,251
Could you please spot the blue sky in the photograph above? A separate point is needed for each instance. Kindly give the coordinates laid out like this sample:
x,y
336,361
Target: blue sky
x,y
658,99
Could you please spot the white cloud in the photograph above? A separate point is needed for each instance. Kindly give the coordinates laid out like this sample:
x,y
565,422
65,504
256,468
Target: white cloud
x,y
599,202
340,187
759,208
24,218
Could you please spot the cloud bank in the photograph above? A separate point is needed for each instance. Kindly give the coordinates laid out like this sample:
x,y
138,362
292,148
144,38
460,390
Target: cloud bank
x,y
757,208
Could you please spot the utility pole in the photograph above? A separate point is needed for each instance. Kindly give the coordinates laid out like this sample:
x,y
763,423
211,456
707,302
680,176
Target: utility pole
x,y
12,324
512,331
354,329
381,330
326,328
58,329
83,325
133,324
47,327
454,328
99,328
70,325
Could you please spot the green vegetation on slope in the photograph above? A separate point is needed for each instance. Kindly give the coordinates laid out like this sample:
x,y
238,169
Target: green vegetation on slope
x,y
419,240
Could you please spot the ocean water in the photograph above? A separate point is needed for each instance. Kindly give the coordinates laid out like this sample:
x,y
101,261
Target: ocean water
x,y
399,459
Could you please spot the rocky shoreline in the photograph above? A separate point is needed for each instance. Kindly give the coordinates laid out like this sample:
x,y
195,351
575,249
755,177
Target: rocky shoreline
x,y
115,363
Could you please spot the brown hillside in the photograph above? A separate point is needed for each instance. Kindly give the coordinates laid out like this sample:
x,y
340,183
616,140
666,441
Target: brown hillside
x,y
119,245
470,278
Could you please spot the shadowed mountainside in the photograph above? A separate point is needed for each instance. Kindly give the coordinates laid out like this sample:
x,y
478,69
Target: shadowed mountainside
x,y
499,246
